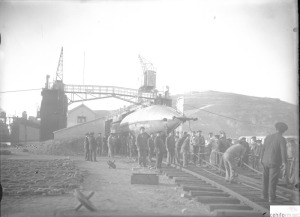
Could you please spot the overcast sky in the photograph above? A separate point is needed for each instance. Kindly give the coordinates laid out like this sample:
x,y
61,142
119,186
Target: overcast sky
x,y
240,46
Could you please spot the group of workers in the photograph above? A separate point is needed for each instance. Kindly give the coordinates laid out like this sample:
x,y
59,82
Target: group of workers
x,y
92,145
216,151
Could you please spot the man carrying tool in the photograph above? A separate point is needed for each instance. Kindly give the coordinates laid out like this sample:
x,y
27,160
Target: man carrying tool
x,y
235,151
274,155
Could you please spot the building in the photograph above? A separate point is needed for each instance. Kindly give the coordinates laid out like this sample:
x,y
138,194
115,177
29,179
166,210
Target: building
x,y
82,114
81,120
79,130
4,131
23,130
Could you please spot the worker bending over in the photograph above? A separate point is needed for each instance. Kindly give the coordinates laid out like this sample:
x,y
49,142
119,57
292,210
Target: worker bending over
x,y
234,152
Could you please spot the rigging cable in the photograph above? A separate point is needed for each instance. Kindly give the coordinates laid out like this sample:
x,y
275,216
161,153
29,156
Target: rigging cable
x,y
14,91
246,122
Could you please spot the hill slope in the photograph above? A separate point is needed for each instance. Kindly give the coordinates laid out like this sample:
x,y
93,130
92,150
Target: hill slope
x,y
248,115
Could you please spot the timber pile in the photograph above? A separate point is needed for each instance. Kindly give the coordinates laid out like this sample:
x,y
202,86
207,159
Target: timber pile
x,y
60,147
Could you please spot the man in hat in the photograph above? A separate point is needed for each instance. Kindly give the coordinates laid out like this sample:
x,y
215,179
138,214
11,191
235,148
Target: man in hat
x,y
141,144
194,146
159,150
86,147
229,156
274,155
246,155
150,147
110,143
185,150
170,144
99,141
252,146
201,143
257,153
178,145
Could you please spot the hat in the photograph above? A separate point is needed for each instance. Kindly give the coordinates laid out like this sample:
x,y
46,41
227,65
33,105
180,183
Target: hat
x,y
240,142
142,128
253,137
281,127
222,132
87,134
199,131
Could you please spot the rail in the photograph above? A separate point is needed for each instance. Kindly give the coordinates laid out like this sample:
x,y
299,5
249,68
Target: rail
x,y
217,166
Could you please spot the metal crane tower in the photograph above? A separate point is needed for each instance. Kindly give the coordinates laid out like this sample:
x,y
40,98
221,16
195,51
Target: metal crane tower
x,y
148,81
59,71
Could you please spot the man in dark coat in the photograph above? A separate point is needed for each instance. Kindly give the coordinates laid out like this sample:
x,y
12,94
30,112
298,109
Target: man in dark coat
x,y
93,147
185,150
274,155
86,147
141,144
150,146
201,143
178,145
159,150
170,143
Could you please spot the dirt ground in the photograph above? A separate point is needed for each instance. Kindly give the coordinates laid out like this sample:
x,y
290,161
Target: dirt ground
x,y
114,195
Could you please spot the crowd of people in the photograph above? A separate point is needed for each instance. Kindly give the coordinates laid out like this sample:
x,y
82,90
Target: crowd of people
x,y
216,151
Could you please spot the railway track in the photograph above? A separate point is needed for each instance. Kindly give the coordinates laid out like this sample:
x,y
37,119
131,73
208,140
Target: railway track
x,y
208,187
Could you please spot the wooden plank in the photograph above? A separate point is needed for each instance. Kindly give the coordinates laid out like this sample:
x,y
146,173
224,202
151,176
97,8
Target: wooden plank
x,y
215,200
144,179
247,213
213,207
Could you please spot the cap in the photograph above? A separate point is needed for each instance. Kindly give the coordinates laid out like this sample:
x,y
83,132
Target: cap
x,y
142,128
281,127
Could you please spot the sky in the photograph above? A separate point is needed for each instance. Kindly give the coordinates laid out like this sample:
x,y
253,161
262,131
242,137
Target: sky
x,y
239,46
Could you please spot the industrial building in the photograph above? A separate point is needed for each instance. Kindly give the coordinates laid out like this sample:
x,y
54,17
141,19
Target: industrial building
x,y
24,130
79,130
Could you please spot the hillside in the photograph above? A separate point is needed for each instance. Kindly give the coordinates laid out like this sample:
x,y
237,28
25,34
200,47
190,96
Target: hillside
x,y
256,115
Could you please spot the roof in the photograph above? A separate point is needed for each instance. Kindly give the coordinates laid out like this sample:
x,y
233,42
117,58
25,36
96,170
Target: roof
x,y
102,113
77,125
80,106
